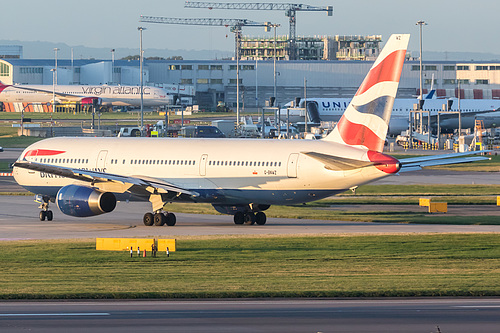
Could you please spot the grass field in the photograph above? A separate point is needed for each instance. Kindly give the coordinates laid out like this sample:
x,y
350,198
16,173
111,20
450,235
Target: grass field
x,y
383,216
317,266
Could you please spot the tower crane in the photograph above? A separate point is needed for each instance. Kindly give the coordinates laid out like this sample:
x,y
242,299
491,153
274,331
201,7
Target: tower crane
x,y
235,26
290,11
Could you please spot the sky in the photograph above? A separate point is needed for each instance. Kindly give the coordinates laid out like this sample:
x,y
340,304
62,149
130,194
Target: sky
x,y
453,26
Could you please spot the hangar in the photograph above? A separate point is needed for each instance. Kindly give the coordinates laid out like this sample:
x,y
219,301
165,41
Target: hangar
x,y
215,80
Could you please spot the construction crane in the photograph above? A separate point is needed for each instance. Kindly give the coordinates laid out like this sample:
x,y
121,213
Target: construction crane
x,y
234,24
235,27
290,11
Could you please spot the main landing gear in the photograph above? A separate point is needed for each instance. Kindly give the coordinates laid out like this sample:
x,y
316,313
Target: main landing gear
x,y
159,219
45,213
250,218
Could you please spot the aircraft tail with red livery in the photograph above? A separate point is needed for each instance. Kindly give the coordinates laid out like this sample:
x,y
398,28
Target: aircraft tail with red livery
x,y
366,119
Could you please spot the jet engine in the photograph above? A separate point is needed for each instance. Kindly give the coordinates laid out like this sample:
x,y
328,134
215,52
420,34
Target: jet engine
x,y
83,201
94,101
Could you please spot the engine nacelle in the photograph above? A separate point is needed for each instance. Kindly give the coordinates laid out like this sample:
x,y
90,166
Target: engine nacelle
x,y
94,101
82,201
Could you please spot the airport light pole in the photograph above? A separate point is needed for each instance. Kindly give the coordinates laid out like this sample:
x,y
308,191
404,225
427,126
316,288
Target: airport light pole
x,y
72,68
141,58
53,70
112,66
55,51
420,24
274,64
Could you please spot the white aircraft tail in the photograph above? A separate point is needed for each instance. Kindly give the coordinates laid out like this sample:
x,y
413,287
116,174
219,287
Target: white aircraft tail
x,y
366,119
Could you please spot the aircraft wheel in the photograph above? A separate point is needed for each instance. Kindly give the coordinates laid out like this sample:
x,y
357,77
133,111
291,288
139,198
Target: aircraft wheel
x,y
42,215
159,219
250,218
260,218
171,219
148,219
239,218
49,215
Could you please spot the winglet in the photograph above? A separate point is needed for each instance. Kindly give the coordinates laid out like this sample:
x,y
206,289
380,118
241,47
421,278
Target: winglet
x,y
366,119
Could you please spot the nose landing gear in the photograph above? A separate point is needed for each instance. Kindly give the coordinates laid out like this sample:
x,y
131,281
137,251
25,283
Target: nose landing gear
x,y
45,213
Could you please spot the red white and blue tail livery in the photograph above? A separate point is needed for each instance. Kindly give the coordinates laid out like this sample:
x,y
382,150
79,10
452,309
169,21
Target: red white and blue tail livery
x,y
366,119
241,177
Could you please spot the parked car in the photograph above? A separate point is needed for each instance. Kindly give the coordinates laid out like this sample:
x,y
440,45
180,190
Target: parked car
x,y
201,132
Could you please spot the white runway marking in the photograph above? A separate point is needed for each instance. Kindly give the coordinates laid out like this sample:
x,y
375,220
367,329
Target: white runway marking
x,y
51,314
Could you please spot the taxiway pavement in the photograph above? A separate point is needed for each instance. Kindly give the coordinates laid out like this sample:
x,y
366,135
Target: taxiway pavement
x,y
19,220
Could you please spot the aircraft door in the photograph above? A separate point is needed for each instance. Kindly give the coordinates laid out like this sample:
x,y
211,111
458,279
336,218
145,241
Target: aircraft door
x,y
203,165
101,159
292,165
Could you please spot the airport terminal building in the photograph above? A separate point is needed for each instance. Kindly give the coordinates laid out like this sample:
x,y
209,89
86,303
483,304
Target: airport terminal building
x,y
215,80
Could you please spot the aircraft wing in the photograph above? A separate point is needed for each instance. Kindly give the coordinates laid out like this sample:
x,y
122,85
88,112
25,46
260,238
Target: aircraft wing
x,y
417,163
62,96
110,182
453,115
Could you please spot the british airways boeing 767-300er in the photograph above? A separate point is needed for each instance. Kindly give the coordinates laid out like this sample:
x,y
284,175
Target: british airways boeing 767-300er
x,y
241,177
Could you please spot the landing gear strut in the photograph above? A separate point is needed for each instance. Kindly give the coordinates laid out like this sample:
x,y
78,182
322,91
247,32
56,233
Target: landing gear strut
x,y
45,213
159,219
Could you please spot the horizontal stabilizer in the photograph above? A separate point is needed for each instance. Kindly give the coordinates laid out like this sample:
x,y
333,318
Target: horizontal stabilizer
x,y
417,163
336,163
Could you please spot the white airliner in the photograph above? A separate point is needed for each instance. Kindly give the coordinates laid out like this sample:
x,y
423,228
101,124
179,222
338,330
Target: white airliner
x,y
100,95
331,109
241,177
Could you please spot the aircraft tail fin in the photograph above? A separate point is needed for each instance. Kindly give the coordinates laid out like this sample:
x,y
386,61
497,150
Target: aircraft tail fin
x,y
431,94
2,86
366,119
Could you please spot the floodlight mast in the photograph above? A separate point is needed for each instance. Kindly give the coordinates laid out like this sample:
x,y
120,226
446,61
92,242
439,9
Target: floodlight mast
x,y
290,10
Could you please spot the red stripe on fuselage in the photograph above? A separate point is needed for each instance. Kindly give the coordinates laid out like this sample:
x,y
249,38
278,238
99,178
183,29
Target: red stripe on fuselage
x,y
43,152
359,135
388,69
385,163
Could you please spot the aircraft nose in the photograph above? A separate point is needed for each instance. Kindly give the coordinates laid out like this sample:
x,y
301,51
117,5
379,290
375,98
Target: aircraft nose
x,y
385,163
